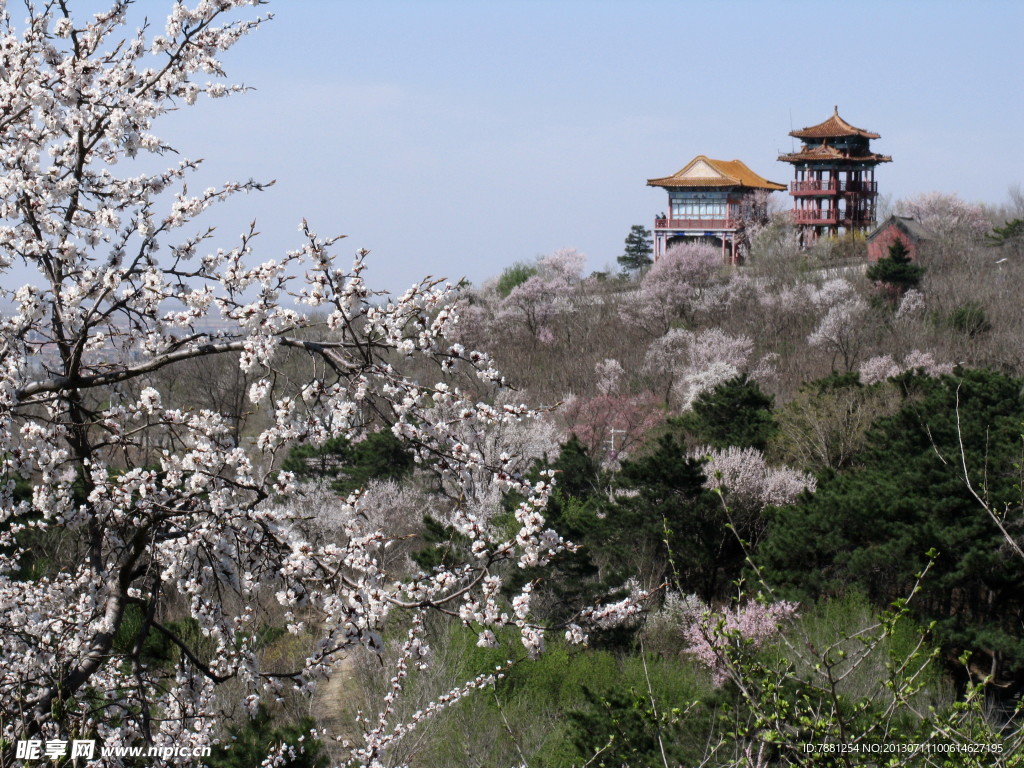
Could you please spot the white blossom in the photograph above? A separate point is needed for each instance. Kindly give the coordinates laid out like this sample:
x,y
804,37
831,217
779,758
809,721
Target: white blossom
x,y
171,512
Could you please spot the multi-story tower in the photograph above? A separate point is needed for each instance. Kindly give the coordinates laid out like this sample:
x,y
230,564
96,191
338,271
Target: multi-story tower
x,y
834,188
711,201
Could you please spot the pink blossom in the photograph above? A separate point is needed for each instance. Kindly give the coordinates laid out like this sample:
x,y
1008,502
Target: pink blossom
x,y
612,426
878,369
881,368
912,305
926,361
172,514
544,295
697,362
945,214
713,636
832,292
672,288
748,482
609,374
840,331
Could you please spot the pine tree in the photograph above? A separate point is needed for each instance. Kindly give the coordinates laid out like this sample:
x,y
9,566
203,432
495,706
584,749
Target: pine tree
x,y
870,526
735,413
896,273
1010,235
638,249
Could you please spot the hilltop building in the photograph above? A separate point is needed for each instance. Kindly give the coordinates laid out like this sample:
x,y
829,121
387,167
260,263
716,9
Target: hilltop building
x,y
711,201
834,188
913,235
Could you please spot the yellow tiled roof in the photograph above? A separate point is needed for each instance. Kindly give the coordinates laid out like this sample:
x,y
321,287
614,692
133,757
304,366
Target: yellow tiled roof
x,y
834,126
703,171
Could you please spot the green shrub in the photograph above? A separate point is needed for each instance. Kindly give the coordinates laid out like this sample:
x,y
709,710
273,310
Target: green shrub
x,y
250,742
514,276
556,708
969,319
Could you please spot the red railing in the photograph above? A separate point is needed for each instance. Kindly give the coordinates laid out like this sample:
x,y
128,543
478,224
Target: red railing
x,y
831,187
696,224
826,216
813,216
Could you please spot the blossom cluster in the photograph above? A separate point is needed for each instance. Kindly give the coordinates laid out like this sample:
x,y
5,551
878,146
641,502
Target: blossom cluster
x,y
884,367
699,361
747,481
673,288
711,634
542,296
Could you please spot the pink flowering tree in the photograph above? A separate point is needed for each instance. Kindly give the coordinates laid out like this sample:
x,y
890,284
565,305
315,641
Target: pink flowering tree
x,y
715,637
946,215
841,330
882,367
609,374
160,511
612,423
749,485
541,297
612,426
671,289
912,306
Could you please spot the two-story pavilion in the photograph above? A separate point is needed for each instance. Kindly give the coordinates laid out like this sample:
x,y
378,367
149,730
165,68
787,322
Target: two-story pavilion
x,y
834,188
711,201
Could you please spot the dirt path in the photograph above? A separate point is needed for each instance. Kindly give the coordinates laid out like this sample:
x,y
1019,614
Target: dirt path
x,y
329,709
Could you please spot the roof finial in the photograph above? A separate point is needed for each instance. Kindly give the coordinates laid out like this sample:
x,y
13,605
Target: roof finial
x,y
836,108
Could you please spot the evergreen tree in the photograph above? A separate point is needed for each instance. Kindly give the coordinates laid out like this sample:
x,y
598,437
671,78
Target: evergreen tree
x,y
667,523
251,739
638,249
571,580
350,466
1010,235
735,413
513,277
970,319
896,273
871,527
626,728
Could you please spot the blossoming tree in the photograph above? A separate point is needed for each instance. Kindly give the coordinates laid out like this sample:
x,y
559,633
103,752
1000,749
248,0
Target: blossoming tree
x,y
157,502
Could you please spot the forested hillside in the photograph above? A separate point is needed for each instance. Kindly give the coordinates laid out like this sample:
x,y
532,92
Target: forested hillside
x,y
814,466
809,465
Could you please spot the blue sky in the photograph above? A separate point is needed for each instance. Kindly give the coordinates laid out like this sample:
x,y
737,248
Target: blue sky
x,y
453,138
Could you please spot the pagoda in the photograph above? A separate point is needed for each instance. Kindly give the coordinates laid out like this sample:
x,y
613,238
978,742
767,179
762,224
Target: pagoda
x,y
711,201
834,188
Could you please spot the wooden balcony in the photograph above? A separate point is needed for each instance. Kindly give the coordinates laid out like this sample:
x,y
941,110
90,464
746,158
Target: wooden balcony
x,y
705,224
812,216
832,187
832,216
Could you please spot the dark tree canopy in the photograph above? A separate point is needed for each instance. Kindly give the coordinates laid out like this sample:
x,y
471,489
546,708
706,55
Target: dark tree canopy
x,y
670,519
735,413
250,740
871,527
350,466
572,580
1010,235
